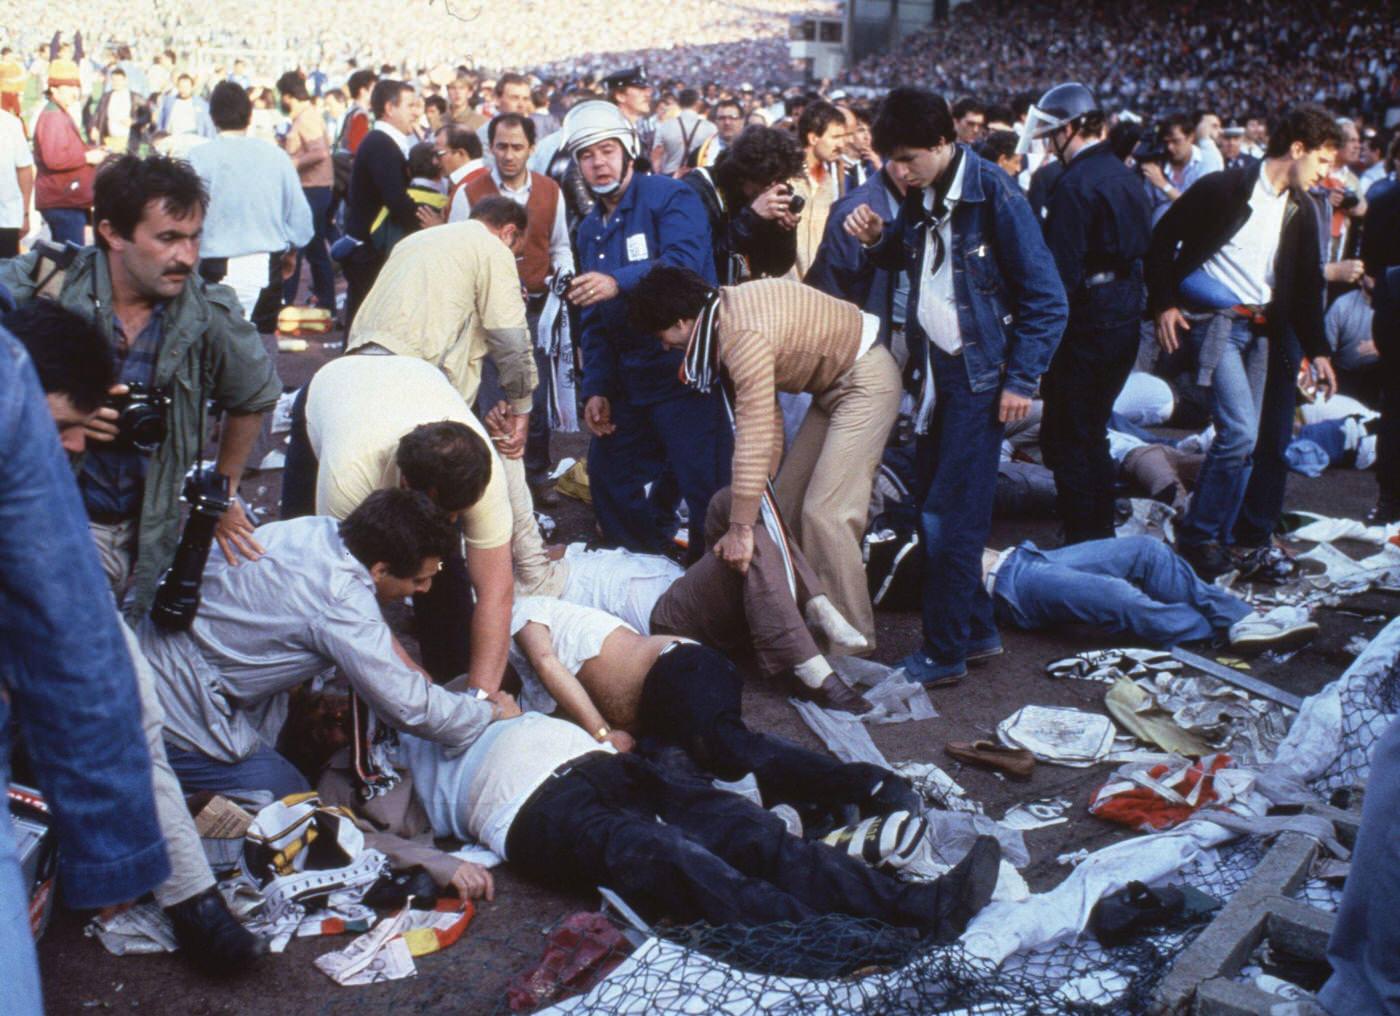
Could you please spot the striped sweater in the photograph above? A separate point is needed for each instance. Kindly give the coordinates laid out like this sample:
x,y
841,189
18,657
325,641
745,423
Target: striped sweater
x,y
776,336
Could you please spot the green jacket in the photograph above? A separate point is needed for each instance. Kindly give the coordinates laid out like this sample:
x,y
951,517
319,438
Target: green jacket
x,y
207,347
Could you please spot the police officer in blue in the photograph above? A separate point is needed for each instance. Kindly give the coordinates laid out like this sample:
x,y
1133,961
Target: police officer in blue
x,y
646,425
1098,225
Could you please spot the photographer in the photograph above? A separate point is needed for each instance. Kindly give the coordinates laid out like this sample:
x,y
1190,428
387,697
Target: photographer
x,y
752,210
176,342
1171,165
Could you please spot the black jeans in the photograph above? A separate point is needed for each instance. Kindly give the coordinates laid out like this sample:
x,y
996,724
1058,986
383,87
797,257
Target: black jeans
x,y
691,700
269,300
9,243
360,269
712,856
1085,376
443,615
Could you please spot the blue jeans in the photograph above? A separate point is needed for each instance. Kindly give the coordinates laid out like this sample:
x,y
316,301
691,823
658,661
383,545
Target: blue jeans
x,y
19,966
265,769
1134,586
317,253
1263,497
958,473
1236,404
67,225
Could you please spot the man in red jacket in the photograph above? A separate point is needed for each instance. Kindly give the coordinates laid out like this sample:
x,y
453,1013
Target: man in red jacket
x,y
64,164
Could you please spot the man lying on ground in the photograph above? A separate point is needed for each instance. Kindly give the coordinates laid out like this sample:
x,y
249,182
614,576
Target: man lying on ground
x,y
311,603
667,691
752,611
1134,587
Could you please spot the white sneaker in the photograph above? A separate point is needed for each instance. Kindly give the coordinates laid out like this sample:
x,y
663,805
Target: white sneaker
x,y
1280,629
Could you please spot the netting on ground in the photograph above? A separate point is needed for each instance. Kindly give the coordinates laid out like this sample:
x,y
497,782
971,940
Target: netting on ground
x,y
1369,700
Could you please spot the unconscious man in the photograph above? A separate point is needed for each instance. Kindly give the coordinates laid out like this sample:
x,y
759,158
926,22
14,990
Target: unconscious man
x,y
1131,587
308,606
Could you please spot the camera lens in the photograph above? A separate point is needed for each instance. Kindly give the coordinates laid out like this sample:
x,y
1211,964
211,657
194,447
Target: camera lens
x,y
797,203
143,426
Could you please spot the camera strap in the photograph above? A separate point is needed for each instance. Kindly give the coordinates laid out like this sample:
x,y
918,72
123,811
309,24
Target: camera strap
x,y
48,285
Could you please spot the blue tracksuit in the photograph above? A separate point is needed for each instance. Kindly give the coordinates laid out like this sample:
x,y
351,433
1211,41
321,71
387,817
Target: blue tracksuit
x,y
664,429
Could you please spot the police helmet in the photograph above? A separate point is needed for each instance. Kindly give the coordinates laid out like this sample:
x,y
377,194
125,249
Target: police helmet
x,y
1061,105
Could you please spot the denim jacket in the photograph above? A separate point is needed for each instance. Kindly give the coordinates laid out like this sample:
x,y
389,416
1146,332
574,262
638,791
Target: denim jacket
x,y
1011,303
64,670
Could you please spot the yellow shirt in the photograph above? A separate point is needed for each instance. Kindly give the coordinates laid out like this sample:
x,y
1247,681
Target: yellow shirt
x,y
358,409
438,296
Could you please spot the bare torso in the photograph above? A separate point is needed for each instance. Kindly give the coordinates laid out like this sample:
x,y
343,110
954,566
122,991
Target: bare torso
x,y
613,678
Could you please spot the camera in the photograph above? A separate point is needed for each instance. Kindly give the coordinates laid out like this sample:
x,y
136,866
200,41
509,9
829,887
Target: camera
x,y
141,416
1350,200
797,203
177,598
1150,149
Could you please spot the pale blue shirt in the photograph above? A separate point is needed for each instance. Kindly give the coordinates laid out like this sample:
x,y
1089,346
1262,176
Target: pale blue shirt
x,y
256,205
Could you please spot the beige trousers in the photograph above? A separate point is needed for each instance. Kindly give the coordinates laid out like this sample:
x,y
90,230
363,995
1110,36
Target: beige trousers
x,y
824,483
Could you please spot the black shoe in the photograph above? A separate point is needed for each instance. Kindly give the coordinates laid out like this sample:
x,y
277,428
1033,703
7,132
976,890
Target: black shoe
x,y
1271,563
1384,513
893,793
965,889
544,495
833,693
211,938
1209,560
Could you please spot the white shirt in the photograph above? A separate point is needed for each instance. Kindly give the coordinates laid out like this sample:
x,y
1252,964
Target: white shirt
x,y
119,113
182,117
578,633
14,156
460,209
401,139
1246,263
619,582
561,255
938,304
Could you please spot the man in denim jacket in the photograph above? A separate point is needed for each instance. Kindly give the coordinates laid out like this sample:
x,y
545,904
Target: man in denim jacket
x,y
986,311
65,673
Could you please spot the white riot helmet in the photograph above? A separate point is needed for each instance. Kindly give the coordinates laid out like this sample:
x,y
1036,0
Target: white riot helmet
x,y
1061,105
596,120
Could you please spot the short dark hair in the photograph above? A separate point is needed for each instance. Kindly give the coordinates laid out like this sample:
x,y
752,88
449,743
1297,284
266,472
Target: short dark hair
x,y
229,106
762,155
126,184
912,118
663,296
510,78
294,85
70,355
386,93
688,98
459,139
500,212
1172,121
446,460
816,118
359,81
734,103
399,529
1307,123
184,76
967,104
506,119
999,145
436,102
422,161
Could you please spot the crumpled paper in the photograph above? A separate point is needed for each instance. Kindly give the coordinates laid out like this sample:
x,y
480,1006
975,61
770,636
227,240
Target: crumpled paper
x,y
1058,734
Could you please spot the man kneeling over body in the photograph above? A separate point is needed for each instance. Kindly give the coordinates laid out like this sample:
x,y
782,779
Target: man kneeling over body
x,y
309,605
669,691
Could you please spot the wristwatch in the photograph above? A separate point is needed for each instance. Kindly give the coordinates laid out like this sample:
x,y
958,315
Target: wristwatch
x,y
481,694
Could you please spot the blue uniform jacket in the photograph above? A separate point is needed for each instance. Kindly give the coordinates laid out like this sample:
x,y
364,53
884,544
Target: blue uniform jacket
x,y
841,268
659,220
1011,303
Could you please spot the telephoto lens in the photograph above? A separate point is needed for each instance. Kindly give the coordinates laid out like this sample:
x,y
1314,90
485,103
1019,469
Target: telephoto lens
x,y
797,203
177,598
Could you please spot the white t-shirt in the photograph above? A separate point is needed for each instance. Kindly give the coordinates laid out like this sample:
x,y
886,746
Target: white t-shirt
x,y
183,118
619,582
478,794
14,156
1246,263
578,633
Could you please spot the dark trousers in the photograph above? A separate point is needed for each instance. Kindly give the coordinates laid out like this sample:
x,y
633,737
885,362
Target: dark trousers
x,y
957,462
443,615
1388,437
712,856
691,700
1263,497
9,243
66,225
269,300
686,434
317,253
537,463
1084,378
360,269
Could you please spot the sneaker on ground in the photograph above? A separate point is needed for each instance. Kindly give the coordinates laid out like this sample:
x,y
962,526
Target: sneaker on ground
x,y
1279,629
889,840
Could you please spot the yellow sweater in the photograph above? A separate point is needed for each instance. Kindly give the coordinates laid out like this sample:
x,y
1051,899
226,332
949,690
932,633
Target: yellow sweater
x,y
774,336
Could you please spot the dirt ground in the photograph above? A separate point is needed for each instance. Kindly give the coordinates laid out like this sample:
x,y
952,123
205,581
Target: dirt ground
x,y
506,935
